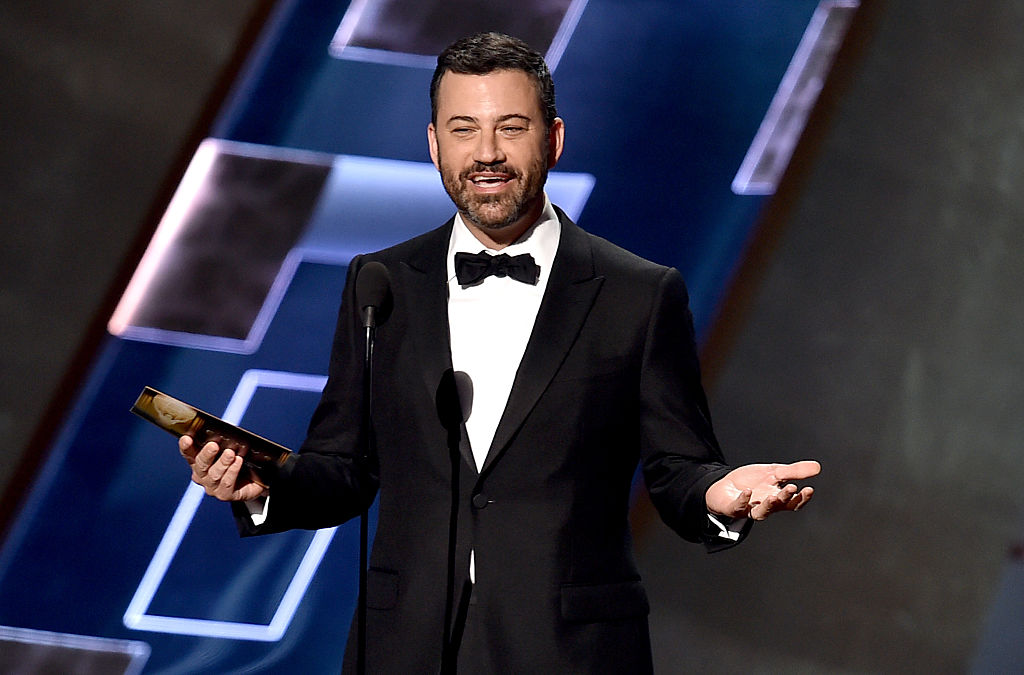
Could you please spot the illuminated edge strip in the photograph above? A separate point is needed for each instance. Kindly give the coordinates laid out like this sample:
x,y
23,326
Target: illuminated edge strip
x,y
564,34
341,49
787,114
136,617
189,190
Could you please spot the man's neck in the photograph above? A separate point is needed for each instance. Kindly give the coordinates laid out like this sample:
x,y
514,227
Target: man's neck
x,y
498,238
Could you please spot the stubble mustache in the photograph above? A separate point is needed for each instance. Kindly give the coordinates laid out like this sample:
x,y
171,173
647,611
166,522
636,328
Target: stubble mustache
x,y
480,167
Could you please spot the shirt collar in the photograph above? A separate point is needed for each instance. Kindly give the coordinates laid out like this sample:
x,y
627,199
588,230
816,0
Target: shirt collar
x,y
540,241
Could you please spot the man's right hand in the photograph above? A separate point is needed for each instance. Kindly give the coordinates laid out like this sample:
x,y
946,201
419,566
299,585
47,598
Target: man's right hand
x,y
218,472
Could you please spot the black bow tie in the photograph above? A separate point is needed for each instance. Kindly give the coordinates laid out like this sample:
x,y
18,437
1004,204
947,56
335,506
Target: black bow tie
x,y
472,268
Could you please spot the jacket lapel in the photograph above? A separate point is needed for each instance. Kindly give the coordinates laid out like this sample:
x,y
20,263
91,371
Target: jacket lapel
x,y
425,288
572,288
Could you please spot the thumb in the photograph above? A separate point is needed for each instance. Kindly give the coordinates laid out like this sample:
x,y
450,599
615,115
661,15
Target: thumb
x,y
798,470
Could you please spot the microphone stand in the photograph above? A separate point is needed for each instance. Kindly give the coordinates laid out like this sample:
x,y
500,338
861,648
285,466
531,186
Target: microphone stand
x,y
451,410
449,646
364,518
372,292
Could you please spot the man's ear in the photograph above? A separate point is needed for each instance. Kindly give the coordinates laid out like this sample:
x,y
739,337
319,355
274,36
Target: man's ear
x,y
432,145
556,140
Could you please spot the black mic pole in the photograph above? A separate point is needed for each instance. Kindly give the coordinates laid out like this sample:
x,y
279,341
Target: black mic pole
x,y
372,288
364,527
454,402
451,419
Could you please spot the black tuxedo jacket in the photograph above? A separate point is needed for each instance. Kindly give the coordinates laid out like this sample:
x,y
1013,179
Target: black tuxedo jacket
x,y
609,378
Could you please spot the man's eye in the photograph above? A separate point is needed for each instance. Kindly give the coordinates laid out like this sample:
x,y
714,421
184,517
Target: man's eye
x,y
512,131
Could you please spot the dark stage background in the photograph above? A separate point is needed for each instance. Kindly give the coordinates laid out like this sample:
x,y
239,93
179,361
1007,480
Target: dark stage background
x,y
870,322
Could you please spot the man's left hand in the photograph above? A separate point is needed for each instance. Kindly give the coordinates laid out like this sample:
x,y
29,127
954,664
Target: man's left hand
x,y
759,490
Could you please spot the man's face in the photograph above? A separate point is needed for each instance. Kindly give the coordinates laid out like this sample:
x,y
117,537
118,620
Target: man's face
x,y
493,151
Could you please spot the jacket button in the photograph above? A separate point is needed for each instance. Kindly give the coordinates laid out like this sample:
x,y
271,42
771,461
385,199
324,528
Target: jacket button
x,y
480,500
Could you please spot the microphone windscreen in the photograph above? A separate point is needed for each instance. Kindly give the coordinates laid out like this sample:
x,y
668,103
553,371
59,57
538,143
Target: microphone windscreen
x,y
373,293
454,398
373,284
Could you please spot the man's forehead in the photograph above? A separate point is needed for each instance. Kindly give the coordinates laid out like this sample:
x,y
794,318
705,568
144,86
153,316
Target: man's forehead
x,y
511,91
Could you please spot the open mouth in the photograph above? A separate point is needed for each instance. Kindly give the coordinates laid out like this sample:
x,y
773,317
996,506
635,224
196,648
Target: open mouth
x,y
489,180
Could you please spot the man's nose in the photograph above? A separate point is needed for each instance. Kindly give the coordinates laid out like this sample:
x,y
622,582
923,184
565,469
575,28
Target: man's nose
x,y
488,150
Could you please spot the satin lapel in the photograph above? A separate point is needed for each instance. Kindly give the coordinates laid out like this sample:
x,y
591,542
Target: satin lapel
x,y
568,298
425,290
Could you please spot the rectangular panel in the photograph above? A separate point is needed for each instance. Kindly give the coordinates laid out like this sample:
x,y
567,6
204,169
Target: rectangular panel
x,y
36,651
260,582
414,33
220,246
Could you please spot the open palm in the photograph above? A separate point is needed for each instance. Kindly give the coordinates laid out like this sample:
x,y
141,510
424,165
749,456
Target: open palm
x,y
759,490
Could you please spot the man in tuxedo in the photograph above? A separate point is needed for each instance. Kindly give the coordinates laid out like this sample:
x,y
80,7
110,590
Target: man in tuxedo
x,y
524,368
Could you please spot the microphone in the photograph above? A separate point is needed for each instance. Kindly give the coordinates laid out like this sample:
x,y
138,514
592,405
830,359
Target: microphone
x,y
373,291
454,399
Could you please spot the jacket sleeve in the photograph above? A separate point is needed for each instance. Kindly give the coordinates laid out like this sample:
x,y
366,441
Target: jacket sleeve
x,y
680,455
332,478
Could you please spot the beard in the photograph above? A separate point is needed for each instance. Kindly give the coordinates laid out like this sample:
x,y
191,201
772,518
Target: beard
x,y
497,211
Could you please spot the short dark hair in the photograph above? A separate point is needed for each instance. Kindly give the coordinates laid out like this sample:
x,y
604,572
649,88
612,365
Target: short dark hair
x,y
485,53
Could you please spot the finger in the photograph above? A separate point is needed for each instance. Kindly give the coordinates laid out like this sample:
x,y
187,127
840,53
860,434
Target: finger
x,y
804,496
225,490
780,501
205,457
762,510
773,503
735,507
797,470
220,467
794,501
741,505
213,481
784,501
187,449
785,495
248,491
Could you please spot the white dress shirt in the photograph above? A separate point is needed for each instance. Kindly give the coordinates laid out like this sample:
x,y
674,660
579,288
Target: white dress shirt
x,y
490,324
